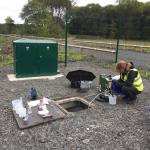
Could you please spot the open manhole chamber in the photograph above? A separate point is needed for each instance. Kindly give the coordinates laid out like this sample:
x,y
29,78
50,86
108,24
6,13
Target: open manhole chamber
x,y
74,104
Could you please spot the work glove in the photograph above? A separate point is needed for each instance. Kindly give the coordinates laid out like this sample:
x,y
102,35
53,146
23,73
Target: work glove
x,y
114,81
117,83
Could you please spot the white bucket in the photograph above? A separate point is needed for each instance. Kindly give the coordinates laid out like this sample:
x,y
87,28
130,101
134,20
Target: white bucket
x,y
112,99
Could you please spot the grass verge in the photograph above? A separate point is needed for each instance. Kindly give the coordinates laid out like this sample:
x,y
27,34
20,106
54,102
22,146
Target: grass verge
x,y
71,56
145,74
6,60
125,43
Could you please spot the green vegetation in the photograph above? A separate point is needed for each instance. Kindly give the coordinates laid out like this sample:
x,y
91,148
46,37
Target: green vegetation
x,y
42,18
71,56
109,66
98,42
6,60
144,73
47,18
130,18
3,41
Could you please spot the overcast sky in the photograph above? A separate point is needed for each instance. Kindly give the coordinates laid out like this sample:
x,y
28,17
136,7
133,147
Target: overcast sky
x,y
13,8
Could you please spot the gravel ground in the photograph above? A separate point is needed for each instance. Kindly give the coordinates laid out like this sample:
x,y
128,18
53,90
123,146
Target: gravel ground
x,y
104,127
140,59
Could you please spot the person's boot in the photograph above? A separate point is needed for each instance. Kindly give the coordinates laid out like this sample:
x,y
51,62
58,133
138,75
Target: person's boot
x,y
131,100
125,97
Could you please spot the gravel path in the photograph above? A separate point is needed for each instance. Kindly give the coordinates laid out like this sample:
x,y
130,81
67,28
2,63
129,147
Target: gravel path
x,y
140,59
104,127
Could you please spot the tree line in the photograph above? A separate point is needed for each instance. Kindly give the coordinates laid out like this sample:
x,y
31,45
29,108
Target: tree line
x,y
129,18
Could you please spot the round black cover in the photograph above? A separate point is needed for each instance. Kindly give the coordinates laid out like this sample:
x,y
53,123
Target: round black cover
x,y
75,77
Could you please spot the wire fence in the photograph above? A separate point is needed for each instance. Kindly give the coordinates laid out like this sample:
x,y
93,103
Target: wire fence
x,y
101,51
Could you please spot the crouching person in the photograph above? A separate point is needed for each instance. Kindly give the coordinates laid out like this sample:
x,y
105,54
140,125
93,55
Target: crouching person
x,y
130,83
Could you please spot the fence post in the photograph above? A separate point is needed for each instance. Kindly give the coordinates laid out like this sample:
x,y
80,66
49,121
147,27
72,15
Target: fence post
x,y
66,30
118,39
117,48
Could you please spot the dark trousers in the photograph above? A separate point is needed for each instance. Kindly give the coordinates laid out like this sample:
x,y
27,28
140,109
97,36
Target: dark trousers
x,y
129,91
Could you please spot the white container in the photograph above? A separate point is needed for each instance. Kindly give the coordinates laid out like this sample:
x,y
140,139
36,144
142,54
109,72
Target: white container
x,y
112,99
85,84
22,112
17,104
29,110
25,119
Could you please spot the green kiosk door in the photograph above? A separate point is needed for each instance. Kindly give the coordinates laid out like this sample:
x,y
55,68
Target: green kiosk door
x,y
26,60
47,61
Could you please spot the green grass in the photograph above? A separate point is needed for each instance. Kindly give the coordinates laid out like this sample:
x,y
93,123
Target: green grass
x,y
4,41
6,60
82,38
101,45
122,41
145,74
71,56
108,66
76,56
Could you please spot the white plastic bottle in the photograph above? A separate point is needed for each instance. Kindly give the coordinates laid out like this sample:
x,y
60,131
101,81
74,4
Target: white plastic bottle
x,y
25,119
29,109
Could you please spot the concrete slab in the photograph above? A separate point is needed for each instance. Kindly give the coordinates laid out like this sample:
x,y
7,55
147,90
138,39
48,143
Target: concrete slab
x,y
67,104
12,77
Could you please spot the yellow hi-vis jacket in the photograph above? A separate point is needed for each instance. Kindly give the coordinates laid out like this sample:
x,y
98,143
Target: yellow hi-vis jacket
x,y
138,84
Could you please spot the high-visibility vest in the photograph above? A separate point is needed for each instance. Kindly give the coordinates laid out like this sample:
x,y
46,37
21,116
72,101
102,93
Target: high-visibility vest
x,y
137,83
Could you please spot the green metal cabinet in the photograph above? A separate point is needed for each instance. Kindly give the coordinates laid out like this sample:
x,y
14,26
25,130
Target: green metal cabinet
x,y
35,57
